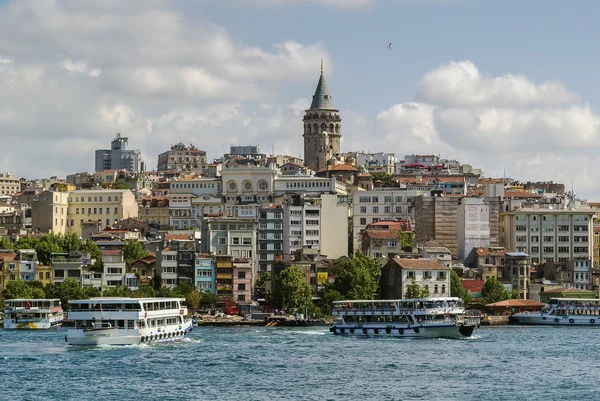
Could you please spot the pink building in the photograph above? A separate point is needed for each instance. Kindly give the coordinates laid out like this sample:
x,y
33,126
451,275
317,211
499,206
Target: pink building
x,y
242,280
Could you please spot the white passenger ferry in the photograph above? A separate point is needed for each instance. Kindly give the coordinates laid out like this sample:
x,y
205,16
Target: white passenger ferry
x,y
416,318
127,321
563,312
32,313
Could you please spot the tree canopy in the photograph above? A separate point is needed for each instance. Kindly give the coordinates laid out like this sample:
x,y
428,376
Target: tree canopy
x,y
384,177
494,291
357,277
414,290
134,250
291,290
457,289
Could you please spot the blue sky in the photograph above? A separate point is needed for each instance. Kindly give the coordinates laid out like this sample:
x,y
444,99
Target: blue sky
x,y
496,84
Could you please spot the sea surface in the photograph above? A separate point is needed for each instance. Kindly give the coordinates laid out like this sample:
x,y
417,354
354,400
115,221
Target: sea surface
x,y
264,363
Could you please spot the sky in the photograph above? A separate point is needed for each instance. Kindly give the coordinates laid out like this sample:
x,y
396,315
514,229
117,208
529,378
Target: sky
x,y
507,86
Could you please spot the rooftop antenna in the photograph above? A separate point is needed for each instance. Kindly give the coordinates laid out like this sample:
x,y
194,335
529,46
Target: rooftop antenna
x,y
272,149
321,66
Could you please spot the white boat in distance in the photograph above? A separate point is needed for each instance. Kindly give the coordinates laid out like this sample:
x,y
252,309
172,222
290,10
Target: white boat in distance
x,y
414,318
32,314
562,312
127,321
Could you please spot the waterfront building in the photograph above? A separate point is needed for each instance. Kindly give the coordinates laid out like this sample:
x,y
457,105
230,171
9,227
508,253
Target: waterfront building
x,y
44,274
398,273
65,265
166,268
550,232
114,268
119,157
27,264
224,279
242,281
322,128
8,267
517,272
145,267
182,157
596,257
205,273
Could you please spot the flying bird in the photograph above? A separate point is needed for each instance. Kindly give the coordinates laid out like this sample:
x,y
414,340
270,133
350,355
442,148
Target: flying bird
x,y
389,46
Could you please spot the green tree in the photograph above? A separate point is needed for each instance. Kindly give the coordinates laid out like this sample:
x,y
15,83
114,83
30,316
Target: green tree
x,y
90,292
494,291
22,289
120,184
92,248
45,249
27,243
357,277
515,294
183,289
209,299
70,243
407,239
164,292
457,289
69,289
117,291
414,290
384,177
194,299
134,250
145,291
291,290
328,296
350,235
261,285
5,243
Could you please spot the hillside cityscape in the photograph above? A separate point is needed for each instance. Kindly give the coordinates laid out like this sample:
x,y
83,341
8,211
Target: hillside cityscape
x,y
232,227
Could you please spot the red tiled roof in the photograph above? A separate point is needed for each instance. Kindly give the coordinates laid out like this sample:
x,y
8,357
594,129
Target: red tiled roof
x,y
381,234
421,264
111,252
473,285
390,225
338,167
483,251
596,230
7,256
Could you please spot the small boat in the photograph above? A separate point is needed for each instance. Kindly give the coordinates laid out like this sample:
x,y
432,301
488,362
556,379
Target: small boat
x,y
415,318
32,314
562,312
127,321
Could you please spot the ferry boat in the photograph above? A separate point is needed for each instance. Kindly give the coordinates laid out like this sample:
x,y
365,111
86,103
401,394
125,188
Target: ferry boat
x,y
127,321
33,314
413,318
562,312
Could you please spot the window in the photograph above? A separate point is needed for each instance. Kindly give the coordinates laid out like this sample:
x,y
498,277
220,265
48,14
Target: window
x,y
521,238
392,244
387,209
521,228
375,209
410,274
435,289
263,186
398,209
443,288
247,241
535,238
222,241
241,287
363,221
363,209
364,199
375,199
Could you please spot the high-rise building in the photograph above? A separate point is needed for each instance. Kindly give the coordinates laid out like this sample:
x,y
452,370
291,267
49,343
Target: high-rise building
x,y
119,157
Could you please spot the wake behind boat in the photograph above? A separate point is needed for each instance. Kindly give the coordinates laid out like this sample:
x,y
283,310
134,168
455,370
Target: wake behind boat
x,y
562,312
127,321
32,314
419,317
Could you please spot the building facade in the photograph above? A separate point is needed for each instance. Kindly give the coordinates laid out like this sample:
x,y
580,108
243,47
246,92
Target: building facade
x,y
473,226
399,273
9,184
119,157
182,157
322,129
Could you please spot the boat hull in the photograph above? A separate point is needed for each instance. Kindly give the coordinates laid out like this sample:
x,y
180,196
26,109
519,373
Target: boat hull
x,y
39,325
553,320
421,331
116,336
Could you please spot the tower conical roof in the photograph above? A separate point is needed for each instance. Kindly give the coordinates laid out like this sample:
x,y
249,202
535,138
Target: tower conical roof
x,y
321,98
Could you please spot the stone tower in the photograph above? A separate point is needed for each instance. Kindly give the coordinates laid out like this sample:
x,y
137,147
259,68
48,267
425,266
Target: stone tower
x,y
322,128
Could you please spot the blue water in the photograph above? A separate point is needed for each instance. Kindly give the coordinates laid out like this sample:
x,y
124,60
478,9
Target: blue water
x,y
261,363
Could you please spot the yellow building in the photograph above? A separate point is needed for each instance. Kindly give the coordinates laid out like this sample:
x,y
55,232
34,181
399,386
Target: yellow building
x,y
64,187
43,274
155,210
105,205
224,267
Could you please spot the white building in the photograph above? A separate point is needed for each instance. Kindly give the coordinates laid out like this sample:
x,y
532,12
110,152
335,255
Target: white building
x,y
166,268
380,204
316,221
472,226
550,232
400,273
308,184
377,162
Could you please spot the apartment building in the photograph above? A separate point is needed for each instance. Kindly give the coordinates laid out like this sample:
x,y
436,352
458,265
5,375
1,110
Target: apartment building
x,y
318,221
205,273
550,232
377,162
380,204
242,280
9,184
108,206
398,274
270,237
182,157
